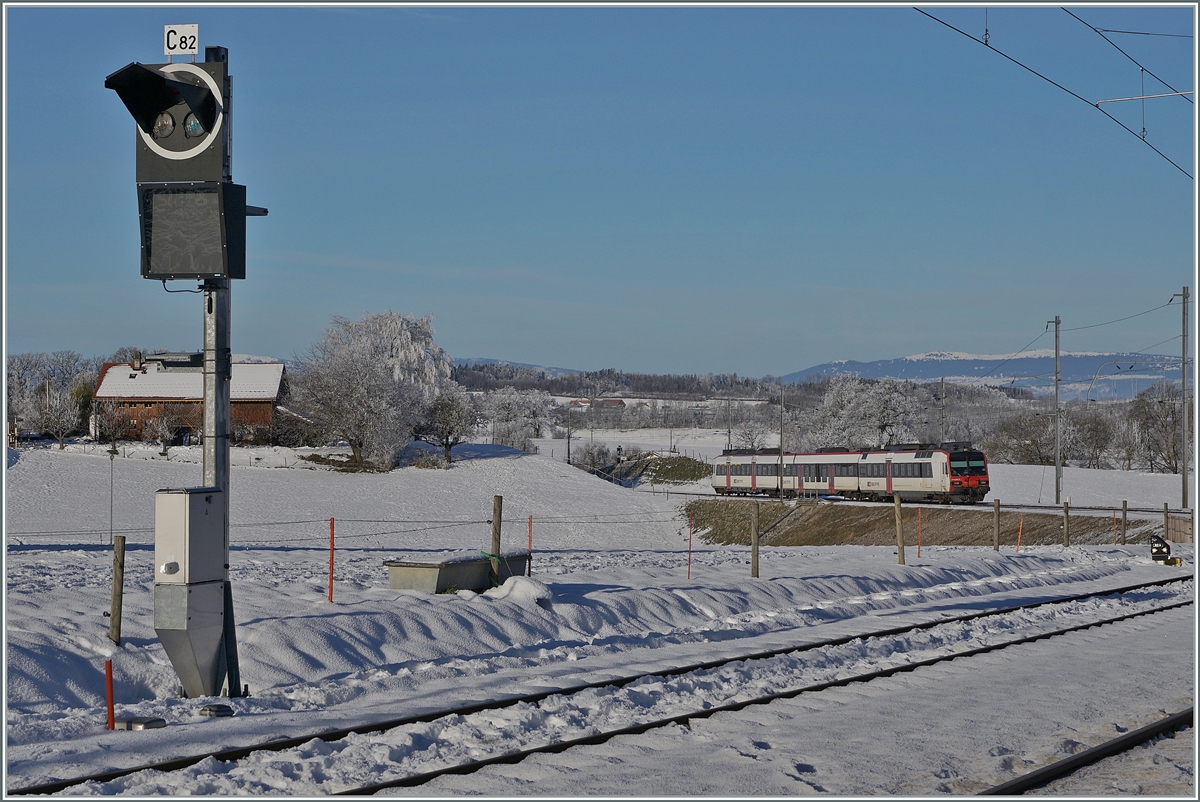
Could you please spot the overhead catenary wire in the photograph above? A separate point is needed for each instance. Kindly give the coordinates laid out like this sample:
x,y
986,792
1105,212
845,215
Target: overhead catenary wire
x,y
1140,33
1101,32
1060,86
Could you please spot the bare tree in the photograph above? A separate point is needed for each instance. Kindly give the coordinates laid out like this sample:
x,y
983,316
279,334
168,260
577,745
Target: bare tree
x,y
1127,443
1156,411
752,433
1092,434
518,416
171,419
1026,438
110,421
450,422
54,412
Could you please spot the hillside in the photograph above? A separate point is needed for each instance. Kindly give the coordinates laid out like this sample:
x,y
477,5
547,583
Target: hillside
x,y
1118,375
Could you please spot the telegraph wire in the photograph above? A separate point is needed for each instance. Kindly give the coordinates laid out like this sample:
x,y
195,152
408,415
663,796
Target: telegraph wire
x,y
1131,58
1118,320
1137,33
1018,353
1060,86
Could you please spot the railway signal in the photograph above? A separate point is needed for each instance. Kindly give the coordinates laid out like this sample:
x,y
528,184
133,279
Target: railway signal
x,y
193,226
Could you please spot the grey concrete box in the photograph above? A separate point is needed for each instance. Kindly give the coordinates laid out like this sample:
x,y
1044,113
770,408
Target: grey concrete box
x,y
189,536
438,577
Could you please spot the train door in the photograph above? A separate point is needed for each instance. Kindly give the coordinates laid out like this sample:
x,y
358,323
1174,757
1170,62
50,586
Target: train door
x,y
753,475
728,474
887,472
830,469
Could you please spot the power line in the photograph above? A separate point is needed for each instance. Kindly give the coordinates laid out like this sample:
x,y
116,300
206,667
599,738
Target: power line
x,y
1017,354
1118,320
1060,86
1126,55
1137,33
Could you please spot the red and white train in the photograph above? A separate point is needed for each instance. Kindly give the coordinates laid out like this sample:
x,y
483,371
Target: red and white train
x,y
949,472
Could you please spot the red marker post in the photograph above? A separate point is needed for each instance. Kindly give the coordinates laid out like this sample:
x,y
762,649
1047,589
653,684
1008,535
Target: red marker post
x,y
690,529
918,532
108,690
330,559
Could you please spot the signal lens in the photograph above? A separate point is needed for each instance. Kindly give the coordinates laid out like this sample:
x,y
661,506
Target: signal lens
x,y
192,127
164,126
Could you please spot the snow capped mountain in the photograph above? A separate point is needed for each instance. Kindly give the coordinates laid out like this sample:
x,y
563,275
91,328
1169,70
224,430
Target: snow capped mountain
x,y
1084,374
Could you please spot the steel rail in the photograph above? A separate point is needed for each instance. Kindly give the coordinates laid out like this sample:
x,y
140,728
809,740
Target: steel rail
x,y
637,729
238,753
1061,768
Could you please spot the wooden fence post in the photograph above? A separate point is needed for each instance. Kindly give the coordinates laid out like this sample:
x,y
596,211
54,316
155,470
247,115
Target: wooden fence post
x,y
754,542
996,524
497,511
1124,514
118,589
899,529
529,563
1066,524
918,533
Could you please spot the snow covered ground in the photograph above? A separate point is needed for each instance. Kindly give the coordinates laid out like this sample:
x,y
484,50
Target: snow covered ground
x,y
609,595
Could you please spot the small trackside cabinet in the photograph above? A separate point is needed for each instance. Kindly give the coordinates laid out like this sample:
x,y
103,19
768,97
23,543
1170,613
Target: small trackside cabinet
x,y
189,536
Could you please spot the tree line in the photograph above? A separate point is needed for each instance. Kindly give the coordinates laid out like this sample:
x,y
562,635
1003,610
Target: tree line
x,y
380,382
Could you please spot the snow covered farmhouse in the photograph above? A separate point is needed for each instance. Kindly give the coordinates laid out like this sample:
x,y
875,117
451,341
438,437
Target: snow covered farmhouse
x,y
169,387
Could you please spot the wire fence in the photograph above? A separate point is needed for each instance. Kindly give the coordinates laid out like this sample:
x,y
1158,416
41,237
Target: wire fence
x,y
314,531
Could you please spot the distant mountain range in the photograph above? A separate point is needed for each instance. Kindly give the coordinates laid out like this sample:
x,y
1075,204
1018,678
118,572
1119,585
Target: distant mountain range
x,y
1114,375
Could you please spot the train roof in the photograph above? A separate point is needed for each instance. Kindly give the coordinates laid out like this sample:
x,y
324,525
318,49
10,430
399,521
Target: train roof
x,y
954,445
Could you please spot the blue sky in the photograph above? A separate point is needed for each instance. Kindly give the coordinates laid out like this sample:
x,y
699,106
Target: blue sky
x,y
653,189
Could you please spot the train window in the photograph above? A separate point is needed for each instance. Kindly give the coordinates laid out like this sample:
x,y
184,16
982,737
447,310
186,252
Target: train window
x,y
927,470
718,470
968,463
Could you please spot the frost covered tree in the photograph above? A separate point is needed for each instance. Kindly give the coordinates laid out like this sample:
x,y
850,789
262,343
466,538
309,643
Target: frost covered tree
x,y
751,433
451,421
54,412
369,381
856,413
518,416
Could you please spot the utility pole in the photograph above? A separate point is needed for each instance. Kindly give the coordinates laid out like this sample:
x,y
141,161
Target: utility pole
x,y
942,416
781,440
568,432
729,424
1184,419
1057,426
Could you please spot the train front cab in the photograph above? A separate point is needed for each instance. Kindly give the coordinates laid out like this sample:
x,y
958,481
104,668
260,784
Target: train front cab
x,y
969,481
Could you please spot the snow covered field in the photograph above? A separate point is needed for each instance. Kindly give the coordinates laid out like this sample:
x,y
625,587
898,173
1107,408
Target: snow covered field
x,y
609,596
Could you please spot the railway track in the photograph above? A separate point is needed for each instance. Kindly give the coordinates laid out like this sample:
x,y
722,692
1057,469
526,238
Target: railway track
x,y
594,736
1061,768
